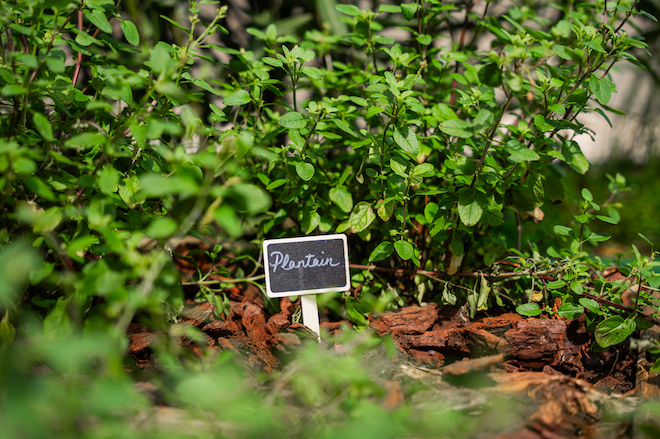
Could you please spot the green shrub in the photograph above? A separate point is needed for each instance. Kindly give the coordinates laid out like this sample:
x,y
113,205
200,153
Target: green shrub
x,y
430,150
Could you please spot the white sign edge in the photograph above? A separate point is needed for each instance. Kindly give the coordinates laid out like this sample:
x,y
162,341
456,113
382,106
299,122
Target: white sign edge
x,y
273,295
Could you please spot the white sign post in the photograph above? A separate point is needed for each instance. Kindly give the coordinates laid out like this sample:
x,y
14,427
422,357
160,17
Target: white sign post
x,y
304,267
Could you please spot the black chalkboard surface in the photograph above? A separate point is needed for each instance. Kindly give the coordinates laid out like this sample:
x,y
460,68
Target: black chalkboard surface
x,y
306,265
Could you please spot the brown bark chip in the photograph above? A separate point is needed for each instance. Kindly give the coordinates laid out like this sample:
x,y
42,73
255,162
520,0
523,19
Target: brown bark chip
x,y
409,320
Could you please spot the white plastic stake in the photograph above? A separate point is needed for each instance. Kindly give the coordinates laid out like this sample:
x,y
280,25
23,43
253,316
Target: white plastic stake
x,y
310,313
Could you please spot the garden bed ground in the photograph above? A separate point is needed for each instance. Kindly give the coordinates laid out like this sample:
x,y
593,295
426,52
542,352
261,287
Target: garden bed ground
x,y
563,388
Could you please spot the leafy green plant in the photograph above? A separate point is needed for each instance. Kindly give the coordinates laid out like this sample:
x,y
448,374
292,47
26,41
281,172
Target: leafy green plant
x,y
437,150
430,148
97,176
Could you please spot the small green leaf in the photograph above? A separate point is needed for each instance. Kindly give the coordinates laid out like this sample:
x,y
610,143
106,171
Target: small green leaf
x,y
563,230
590,304
98,18
134,220
520,153
490,75
457,247
240,97
348,10
341,196
555,284
130,32
424,40
305,170
313,72
570,311
600,89
424,170
613,330
293,120
361,217
557,108
130,192
174,23
471,205
162,228
457,127
382,251
529,309
43,126
57,324
409,10
310,221
344,127
404,249
574,157
542,123
108,179
405,137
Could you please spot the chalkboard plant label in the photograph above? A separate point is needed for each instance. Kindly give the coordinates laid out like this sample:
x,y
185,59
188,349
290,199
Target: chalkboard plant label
x,y
306,265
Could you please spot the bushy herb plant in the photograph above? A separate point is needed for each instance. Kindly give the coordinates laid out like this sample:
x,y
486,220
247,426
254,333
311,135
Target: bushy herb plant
x,y
436,148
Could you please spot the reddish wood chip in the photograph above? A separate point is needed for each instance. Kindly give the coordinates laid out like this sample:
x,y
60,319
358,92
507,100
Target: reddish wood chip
x,y
409,320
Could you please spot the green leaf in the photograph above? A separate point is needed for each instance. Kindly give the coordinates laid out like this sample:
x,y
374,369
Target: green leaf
x,y
409,10
310,221
520,153
613,330
555,284
293,120
313,72
399,166
557,108
600,89
7,331
341,196
134,220
459,128
424,40
598,237
43,126
130,32
174,23
162,228
382,251
305,170
424,170
404,249
529,309
131,193
542,123
98,18
240,97
361,217
574,157
563,230
348,10
405,137
344,127
490,75
471,205
108,179
226,217
590,304
457,247
57,324
86,140
570,311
